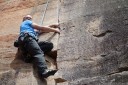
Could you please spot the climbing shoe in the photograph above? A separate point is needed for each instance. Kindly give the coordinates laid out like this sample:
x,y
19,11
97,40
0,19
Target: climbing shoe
x,y
48,73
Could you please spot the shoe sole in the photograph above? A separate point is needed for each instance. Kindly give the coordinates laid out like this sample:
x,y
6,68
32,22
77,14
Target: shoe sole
x,y
49,73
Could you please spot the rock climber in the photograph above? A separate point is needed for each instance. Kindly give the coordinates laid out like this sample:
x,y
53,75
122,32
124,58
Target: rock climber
x,y
28,40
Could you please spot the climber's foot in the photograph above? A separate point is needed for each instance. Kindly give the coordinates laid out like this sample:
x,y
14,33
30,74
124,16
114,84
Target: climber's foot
x,y
48,73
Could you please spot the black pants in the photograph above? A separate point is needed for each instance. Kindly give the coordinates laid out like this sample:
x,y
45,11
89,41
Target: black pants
x,y
35,50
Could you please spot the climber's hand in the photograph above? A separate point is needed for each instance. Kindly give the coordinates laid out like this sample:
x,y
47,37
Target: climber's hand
x,y
55,26
57,30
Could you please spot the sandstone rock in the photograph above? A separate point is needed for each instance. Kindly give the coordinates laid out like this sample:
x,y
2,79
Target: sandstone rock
x,y
13,71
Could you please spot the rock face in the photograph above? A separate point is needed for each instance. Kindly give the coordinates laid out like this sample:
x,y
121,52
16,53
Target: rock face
x,y
93,42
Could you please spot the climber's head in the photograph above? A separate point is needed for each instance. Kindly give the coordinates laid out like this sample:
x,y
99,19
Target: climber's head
x,y
27,17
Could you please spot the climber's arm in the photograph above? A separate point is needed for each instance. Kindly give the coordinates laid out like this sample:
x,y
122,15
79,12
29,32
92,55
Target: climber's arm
x,y
45,28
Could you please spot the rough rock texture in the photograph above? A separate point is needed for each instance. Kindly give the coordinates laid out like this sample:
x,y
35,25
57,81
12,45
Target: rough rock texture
x,y
93,42
92,45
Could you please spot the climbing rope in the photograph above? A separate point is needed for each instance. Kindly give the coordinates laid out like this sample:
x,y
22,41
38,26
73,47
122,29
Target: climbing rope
x,y
34,10
42,19
44,12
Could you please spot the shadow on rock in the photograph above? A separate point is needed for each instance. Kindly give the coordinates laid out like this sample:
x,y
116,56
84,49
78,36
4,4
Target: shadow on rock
x,y
25,71
7,78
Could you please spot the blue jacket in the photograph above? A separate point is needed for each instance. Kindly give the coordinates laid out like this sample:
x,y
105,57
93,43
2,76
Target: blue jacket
x,y
26,27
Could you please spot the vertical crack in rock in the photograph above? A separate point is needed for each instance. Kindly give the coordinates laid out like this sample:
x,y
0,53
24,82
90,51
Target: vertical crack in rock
x,y
51,59
58,80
